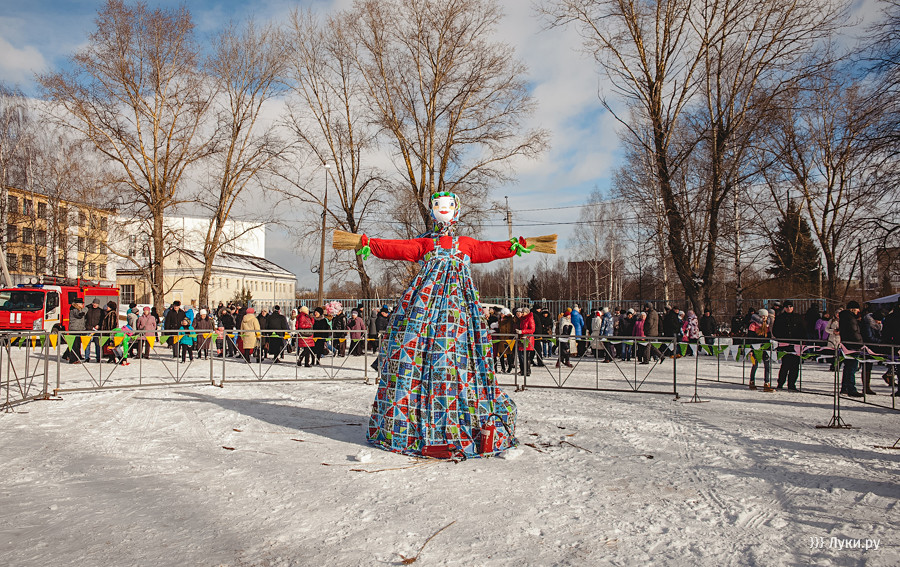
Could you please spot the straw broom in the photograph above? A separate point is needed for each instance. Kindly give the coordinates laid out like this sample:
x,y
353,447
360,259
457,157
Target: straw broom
x,y
349,241
346,240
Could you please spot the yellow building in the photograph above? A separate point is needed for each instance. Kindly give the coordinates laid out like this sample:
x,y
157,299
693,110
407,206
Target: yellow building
x,y
49,236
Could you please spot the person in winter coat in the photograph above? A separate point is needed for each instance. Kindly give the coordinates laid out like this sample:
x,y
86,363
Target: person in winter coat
x,y
690,329
566,338
227,322
870,328
109,324
604,326
539,329
638,332
77,313
851,338
188,337
381,324
322,333
821,333
172,322
671,324
525,328
132,315
890,335
357,333
263,344
250,334
759,331
506,329
833,340
292,324
578,327
626,329
339,326
278,325
651,330
305,340
205,325
708,326
144,325
788,327
131,318
92,321
810,318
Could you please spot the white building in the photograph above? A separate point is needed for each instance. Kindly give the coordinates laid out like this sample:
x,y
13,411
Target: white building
x,y
239,265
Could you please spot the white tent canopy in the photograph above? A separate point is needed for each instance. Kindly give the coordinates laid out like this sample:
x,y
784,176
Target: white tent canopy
x,y
886,299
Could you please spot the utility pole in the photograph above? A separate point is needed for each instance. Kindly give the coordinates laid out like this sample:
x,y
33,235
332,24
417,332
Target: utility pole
x,y
862,273
739,290
320,297
512,291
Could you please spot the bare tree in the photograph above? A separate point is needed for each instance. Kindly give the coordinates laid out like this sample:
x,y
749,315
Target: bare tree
x,y
451,100
137,94
15,131
822,156
246,67
651,56
331,122
694,74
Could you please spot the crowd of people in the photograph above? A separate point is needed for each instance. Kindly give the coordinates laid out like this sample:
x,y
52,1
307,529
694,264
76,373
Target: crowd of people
x,y
851,338
227,331
521,339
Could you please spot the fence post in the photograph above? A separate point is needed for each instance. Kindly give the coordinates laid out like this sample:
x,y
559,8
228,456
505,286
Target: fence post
x,y
675,367
46,392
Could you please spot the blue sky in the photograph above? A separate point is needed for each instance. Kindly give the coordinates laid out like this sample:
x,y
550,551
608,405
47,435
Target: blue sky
x,y
36,35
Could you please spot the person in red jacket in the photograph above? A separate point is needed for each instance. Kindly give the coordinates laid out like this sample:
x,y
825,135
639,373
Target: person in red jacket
x,y
525,330
305,340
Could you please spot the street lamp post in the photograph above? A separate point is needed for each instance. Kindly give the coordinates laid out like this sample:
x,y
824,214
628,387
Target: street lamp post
x,y
320,298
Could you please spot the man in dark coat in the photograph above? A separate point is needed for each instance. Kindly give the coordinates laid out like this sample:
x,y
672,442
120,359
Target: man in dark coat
x,y
226,321
708,326
77,314
890,335
788,327
851,338
172,322
92,321
671,325
540,328
277,325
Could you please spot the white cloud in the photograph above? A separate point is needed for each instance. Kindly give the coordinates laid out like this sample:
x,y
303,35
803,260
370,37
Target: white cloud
x,y
17,66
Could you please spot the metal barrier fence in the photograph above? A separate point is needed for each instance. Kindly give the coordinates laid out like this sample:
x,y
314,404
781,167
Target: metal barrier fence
x,y
26,379
40,365
37,365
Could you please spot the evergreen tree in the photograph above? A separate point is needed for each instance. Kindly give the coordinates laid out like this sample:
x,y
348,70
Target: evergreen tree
x,y
795,257
534,291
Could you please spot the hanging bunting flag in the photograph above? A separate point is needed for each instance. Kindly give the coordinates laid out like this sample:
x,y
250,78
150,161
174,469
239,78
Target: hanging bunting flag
x,y
70,340
54,339
85,341
117,340
151,340
103,340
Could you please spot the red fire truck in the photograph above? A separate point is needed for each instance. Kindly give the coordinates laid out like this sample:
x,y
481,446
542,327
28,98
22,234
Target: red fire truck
x,y
45,306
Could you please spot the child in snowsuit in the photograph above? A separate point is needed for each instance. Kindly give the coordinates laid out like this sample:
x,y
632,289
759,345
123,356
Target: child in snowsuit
x,y
186,344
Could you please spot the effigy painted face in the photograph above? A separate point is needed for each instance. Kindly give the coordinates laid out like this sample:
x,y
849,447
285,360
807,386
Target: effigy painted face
x,y
444,208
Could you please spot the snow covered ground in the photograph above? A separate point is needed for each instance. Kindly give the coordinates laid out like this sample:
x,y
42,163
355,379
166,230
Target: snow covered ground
x,y
277,474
